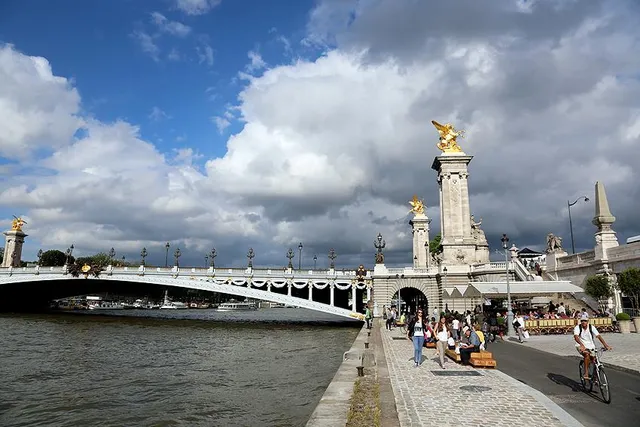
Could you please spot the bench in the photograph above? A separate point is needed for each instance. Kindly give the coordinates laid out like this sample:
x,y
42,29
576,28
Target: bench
x,y
565,326
453,355
483,359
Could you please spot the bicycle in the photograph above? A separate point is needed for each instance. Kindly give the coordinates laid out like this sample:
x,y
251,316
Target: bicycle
x,y
597,375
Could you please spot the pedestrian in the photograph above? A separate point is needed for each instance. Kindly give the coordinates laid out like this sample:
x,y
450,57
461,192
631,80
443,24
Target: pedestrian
x,y
442,336
415,333
455,328
367,316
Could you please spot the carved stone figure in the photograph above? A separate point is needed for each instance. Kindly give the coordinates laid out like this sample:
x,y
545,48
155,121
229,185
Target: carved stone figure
x,y
417,205
554,243
448,137
379,258
460,256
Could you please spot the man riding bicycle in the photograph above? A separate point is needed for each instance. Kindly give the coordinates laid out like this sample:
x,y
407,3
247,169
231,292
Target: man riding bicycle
x,y
584,334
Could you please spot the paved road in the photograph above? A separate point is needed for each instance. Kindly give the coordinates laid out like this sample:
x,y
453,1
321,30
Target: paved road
x,y
557,378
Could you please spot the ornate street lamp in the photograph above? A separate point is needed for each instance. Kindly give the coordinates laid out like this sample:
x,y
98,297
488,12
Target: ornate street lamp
x,y
144,254
112,255
206,260
177,255
315,261
40,256
300,256
586,199
332,256
250,255
290,255
123,260
166,255
212,256
505,245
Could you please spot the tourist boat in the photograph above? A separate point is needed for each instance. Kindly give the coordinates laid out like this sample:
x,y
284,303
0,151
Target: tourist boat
x,y
237,306
172,305
105,305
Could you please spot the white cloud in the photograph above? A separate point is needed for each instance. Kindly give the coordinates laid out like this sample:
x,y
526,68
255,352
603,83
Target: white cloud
x,y
157,114
147,44
221,123
171,27
37,109
205,54
331,149
196,7
257,63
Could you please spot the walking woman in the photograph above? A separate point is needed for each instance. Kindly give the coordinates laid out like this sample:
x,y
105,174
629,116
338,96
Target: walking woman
x,y
442,334
415,333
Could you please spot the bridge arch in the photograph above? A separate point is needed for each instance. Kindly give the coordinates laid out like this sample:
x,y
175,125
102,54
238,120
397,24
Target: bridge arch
x,y
425,285
266,289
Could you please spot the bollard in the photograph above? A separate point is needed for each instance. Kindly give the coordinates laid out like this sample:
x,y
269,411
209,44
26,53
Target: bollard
x,y
360,371
369,333
366,345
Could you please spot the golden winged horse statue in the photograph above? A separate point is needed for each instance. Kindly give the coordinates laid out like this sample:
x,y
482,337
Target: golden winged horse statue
x,y
448,136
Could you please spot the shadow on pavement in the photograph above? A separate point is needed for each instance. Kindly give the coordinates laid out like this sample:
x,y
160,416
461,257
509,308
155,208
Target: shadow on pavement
x,y
562,380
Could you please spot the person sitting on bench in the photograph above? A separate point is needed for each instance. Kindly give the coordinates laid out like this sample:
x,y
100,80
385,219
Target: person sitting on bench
x,y
472,347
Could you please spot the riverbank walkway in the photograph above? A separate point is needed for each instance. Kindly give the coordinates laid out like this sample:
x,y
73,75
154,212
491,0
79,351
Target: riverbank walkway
x,y
464,396
625,355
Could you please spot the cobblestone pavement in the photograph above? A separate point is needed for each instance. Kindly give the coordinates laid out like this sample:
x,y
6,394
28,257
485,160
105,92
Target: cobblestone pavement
x,y
424,399
626,348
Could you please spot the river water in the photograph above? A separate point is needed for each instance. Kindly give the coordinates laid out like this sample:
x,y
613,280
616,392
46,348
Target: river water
x,y
168,368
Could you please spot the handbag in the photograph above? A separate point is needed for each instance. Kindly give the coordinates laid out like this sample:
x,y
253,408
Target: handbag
x,y
526,335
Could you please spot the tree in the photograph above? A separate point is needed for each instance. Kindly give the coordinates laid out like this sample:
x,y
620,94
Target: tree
x,y
54,258
598,287
629,284
435,247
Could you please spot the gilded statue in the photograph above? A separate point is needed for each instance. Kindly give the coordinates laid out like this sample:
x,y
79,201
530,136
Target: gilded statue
x,y
448,137
417,205
17,223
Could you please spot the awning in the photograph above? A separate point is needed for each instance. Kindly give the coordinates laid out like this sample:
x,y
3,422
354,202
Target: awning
x,y
529,253
499,289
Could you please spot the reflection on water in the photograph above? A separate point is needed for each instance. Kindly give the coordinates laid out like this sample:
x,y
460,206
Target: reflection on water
x,y
188,367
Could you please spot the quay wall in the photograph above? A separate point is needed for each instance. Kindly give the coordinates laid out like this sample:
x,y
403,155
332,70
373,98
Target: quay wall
x,y
333,408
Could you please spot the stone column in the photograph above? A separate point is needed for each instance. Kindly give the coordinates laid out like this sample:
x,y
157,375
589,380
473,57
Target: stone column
x,y
420,228
331,300
14,239
310,291
603,220
353,297
458,243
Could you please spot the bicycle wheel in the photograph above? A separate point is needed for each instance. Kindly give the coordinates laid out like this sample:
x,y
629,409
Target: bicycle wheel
x,y
587,385
603,383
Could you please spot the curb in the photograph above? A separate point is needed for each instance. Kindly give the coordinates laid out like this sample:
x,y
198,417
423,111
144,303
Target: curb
x,y
576,357
562,415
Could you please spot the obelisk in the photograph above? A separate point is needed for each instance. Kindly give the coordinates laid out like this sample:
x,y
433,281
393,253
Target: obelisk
x,y
14,239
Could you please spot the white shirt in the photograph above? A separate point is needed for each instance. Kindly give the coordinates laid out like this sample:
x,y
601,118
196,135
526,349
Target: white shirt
x,y
455,324
562,310
443,335
418,331
585,336
451,341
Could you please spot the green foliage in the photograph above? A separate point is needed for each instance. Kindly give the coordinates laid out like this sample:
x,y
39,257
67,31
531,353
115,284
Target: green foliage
x,y
598,287
435,247
623,316
54,258
629,284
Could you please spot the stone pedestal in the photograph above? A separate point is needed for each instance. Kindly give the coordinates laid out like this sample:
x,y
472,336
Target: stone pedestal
x,y
603,220
458,242
420,228
551,259
14,239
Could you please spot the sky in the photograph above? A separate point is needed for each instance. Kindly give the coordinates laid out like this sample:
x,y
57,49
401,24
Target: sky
x,y
251,124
